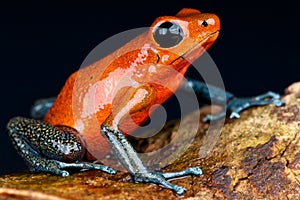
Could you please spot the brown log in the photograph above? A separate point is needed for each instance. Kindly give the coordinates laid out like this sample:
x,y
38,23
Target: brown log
x,y
254,157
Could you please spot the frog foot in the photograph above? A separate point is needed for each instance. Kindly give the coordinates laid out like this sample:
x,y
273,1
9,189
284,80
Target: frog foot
x,y
237,105
58,167
160,178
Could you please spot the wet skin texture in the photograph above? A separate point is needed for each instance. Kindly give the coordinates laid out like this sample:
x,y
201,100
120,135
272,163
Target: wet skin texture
x,y
91,114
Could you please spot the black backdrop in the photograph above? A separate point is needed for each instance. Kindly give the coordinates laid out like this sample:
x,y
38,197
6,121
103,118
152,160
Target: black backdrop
x,y
42,43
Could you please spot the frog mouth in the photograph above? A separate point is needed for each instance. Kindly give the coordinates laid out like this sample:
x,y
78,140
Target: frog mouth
x,y
196,51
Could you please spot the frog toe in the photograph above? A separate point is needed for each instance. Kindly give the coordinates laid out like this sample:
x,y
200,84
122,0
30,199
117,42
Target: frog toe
x,y
159,179
194,171
179,190
218,116
64,173
234,115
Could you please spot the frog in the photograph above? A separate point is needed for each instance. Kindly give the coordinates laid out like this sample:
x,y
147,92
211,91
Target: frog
x,y
54,139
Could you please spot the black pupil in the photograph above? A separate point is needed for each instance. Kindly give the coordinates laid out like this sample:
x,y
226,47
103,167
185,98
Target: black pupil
x,y
168,34
204,23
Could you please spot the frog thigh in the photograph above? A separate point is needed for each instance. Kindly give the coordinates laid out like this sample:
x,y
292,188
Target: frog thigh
x,y
48,148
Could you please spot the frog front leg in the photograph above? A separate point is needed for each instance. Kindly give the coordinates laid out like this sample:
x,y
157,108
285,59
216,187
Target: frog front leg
x,y
48,148
130,160
125,105
40,107
234,105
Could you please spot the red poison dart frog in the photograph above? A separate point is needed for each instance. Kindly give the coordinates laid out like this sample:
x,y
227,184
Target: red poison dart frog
x,y
52,140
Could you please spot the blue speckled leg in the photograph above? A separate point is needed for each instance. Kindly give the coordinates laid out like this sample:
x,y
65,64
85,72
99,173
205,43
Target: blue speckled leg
x,y
45,147
235,105
129,159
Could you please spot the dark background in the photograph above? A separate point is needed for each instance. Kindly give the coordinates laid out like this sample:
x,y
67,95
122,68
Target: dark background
x,y
42,43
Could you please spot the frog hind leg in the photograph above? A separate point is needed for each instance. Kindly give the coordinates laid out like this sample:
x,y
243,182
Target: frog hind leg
x,y
234,105
237,105
130,160
47,148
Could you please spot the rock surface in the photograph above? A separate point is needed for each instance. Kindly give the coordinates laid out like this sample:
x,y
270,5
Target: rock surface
x,y
254,157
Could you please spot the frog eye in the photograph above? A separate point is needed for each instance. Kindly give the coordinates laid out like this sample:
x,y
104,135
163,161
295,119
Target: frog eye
x,y
168,34
205,23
